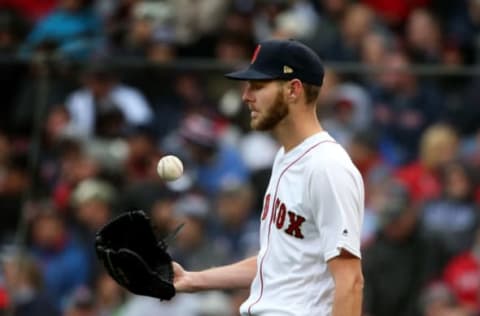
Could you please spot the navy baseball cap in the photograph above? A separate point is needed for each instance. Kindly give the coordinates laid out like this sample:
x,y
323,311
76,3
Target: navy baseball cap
x,y
282,59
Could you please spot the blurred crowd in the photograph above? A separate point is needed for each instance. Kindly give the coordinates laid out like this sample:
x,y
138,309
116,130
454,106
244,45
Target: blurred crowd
x,y
94,92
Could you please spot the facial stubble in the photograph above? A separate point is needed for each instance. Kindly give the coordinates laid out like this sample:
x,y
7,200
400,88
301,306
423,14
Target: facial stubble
x,y
273,115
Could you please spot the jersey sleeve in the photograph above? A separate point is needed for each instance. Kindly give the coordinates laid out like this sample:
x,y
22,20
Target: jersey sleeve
x,y
336,195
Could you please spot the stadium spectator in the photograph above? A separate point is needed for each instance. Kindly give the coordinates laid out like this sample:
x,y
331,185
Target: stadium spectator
x,y
423,37
395,12
92,207
76,165
104,99
462,274
142,156
209,162
453,219
14,181
350,112
438,146
235,225
403,108
63,260
193,248
462,25
72,30
357,22
32,10
399,256
24,283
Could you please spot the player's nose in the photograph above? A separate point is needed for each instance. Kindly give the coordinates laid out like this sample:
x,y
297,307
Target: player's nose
x,y
247,95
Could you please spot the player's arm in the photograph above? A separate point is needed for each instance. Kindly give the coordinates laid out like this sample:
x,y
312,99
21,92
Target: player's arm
x,y
234,276
347,273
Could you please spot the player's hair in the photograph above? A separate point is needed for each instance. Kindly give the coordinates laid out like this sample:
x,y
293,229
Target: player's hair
x,y
311,92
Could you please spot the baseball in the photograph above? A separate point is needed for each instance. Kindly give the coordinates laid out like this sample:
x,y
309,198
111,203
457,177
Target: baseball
x,y
170,168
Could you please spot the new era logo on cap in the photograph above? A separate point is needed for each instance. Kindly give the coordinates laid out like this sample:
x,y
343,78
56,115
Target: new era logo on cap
x,y
282,60
287,70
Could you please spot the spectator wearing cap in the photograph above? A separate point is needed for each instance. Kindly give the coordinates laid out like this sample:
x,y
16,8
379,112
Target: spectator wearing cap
x,y
351,111
103,98
299,21
92,204
214,163
194,21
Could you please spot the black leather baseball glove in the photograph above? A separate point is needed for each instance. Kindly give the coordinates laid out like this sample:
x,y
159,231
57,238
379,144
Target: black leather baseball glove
x,y
132,255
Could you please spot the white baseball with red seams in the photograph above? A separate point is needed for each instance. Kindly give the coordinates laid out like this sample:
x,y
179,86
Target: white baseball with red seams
x,y
313,208
170,168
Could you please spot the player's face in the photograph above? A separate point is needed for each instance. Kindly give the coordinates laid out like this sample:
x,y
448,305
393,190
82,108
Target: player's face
x,y
266,103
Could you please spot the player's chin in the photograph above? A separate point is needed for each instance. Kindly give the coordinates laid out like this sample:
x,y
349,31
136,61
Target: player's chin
x,y
255,124
262,123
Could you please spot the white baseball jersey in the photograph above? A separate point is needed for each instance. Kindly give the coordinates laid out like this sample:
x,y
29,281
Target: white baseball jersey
x,y
313,208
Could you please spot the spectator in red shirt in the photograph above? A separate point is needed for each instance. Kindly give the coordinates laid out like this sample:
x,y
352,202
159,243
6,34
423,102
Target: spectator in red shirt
x,y
395,12
438,146
32,10
462,274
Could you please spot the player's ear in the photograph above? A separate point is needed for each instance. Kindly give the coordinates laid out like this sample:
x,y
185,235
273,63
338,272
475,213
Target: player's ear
x,y
293,89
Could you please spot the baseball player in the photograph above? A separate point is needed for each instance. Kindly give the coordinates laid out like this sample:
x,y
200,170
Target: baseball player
x,y
309,257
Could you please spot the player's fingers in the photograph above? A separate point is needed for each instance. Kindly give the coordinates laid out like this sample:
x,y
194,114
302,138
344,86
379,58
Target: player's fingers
x,y
179,280
178,270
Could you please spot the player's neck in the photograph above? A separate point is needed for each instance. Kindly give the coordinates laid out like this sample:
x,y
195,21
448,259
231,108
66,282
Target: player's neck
x,y
296,128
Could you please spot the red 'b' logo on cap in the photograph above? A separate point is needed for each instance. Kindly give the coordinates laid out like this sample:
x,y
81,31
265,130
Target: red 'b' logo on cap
x,y
255,53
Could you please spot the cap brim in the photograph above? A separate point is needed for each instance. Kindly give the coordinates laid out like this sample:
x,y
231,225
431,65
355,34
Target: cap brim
x,y
248,74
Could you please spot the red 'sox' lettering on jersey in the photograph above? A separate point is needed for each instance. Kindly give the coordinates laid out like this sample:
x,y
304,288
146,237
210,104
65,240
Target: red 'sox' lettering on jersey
x,y
277,204
281,216
266,206
295,222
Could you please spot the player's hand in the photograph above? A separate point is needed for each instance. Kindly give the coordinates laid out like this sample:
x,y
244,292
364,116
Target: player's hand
x,y
181,279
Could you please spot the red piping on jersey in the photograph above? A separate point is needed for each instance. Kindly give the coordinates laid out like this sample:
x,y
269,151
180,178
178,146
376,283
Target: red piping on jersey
x,y
273,202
